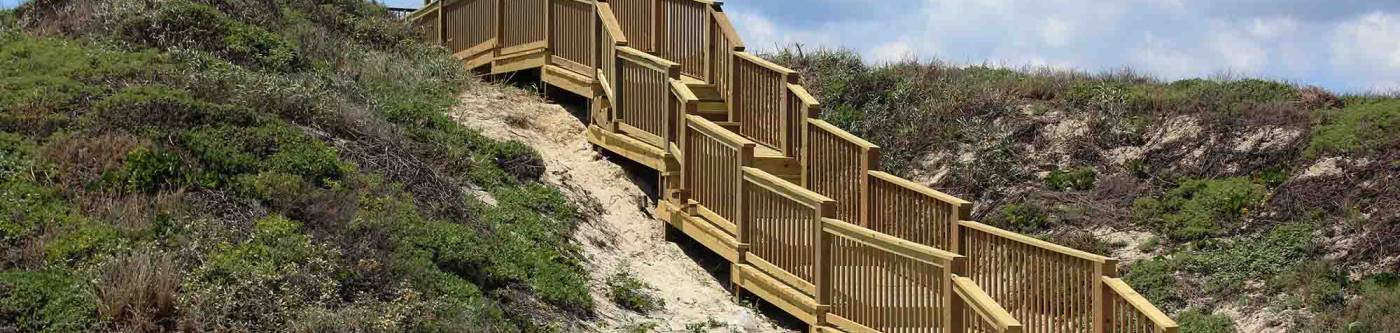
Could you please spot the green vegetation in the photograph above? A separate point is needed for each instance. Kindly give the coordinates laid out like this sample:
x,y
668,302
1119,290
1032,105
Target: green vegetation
x,y
1221,267
1361,126
1077,179
1023,217
1198,321
632,294
1197,209
279,166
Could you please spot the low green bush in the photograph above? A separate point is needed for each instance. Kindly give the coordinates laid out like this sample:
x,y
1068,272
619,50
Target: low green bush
x,y
1377,306
1197,209
1156,280
1023,217
632,294
230,151
518,160
1317,285
46,301
1076,179
148,171
1199,321
200,26
1358,127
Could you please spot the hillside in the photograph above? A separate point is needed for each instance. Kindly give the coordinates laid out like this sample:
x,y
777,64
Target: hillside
x,y
282,165
1236,204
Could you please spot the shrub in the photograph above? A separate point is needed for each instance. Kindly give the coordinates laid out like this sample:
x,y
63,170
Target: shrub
x,y
1077,179
46,80
148,171
518,160
632,294
1377,308
231,151
1197,209
156,109
1315,284
80,240
1224,266
1023,217
1198,321
46,301
182,24
1358,127
1156,280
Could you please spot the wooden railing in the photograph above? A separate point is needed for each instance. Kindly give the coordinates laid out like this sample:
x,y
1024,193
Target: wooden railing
x,y
885,284
836,164
713,170
781,223
914,212
818,230
1050,288
525,25
571,39
1128,312
642,94
759,100
978,312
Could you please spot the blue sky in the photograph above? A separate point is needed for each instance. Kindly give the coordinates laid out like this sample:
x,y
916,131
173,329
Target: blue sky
x,y
1344,45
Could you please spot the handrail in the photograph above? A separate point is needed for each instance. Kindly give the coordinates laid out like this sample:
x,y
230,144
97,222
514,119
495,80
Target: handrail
x,y
709,128
1028,240
784,188
765,63
722,20
976,299
646,59
891,244
925,190
609,23
823,125
1159,321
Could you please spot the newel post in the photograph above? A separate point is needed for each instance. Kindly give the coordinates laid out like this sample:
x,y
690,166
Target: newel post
x,y
822,278
1102,309
953,312
870,160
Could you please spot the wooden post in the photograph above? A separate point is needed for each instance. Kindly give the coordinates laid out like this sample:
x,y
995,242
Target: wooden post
x,y
1101,298
442,23
822,277
658,26
869,161
953,312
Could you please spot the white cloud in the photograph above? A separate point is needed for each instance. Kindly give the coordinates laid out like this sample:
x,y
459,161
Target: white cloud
x,y
1055,32
892,52
1368,47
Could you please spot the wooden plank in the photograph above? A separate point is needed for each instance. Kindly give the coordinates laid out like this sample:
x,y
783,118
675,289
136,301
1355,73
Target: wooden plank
x,y
708,235
1141,304
628,147
786,298
572,66
709,128
714,218
889,243
780,274
642,135
848,325
569,81
609,22
764,63
786,189
977,300
921,189
736,43
1033,241
650,61
475,50
837,131
524,48
518,62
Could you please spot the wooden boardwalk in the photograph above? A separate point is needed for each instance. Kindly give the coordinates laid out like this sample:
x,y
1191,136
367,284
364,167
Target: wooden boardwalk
x,y
797,205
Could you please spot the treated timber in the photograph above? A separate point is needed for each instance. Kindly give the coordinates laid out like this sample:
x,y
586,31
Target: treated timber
x,y
878,226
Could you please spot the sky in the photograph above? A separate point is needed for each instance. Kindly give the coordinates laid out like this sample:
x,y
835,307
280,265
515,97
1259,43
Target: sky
x,y
1343,45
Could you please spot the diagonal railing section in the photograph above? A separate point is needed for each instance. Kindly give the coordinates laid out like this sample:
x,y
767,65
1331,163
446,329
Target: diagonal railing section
x,y
798,205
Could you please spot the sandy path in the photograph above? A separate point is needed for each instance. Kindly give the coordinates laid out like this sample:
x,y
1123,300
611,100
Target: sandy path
x,y
624,235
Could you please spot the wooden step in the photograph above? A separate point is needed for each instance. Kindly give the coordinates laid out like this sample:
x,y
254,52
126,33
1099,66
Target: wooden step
x,y
774,162
707,93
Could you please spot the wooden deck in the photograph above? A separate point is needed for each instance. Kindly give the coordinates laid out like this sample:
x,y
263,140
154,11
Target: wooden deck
x,y
798,206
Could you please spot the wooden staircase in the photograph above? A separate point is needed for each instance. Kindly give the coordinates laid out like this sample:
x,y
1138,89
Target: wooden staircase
x,y
798,206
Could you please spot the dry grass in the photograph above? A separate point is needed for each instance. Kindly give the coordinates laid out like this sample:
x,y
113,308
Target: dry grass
x,y
137,292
